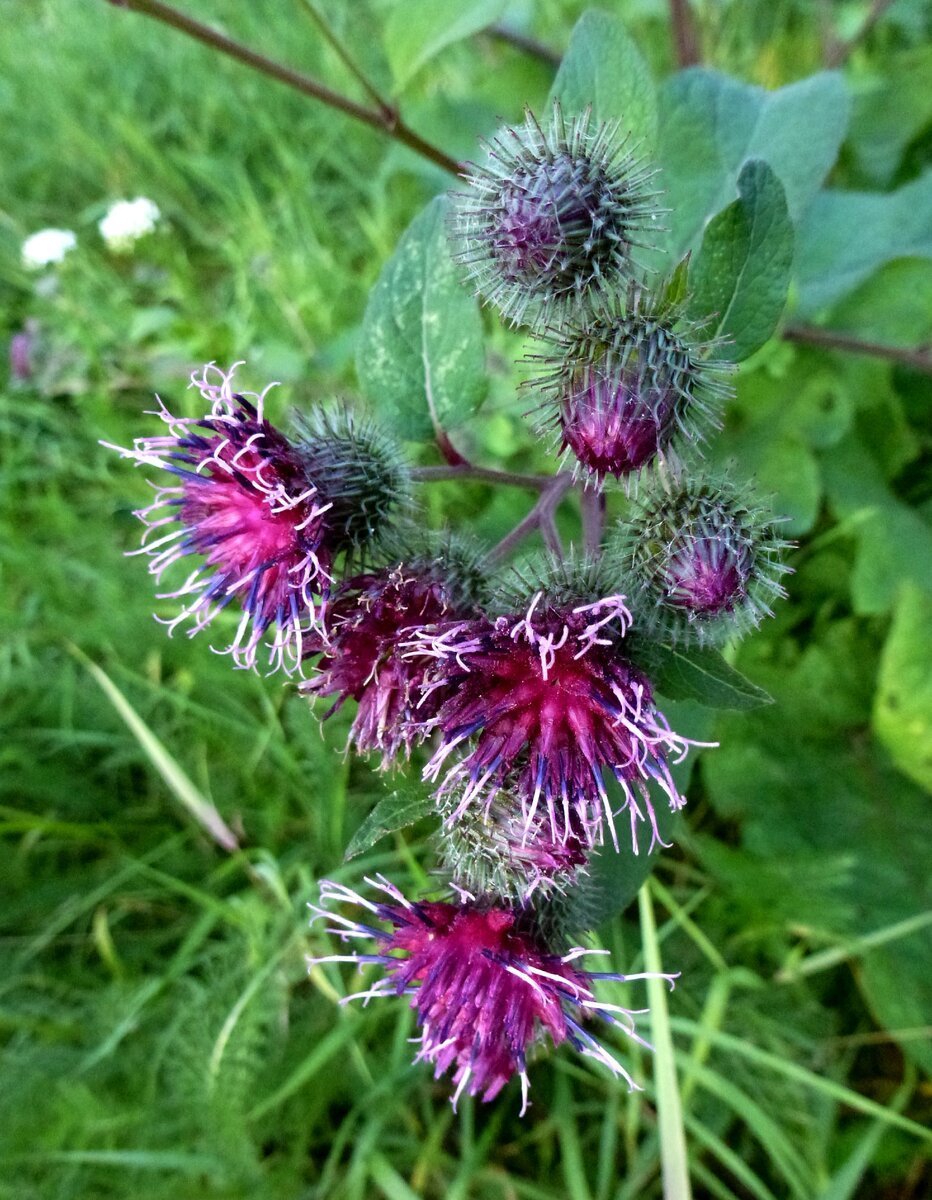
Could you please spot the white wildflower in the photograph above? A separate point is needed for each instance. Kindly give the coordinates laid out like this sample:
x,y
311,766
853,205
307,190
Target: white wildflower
x,y
46,247
128,220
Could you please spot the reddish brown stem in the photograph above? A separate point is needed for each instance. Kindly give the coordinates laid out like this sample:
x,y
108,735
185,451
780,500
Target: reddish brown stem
x,y
540,517
685,40
920,359
384,119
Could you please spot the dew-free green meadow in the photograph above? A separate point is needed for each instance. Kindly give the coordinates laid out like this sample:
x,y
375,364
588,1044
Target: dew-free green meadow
x,y
166,820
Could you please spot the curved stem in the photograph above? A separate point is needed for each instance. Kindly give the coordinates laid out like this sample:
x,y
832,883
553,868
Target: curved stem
x,y
920,358
521,41
385,119
592,509
348,61
674,1163
540,517
466,470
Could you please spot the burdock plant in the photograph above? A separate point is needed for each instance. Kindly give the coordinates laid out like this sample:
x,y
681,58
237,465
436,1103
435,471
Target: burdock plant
x,y
523,696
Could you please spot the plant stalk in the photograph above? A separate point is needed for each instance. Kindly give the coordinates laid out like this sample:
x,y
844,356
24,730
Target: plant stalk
x,y
385,119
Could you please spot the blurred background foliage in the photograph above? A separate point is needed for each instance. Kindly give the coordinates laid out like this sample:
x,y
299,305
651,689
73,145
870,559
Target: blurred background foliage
x,y
161,1035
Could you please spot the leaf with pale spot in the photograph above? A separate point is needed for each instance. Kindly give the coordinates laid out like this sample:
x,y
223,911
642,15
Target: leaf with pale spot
x,y
421,359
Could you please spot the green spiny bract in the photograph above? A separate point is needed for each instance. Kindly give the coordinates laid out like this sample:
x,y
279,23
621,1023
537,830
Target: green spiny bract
x,y
490,851
548,223
704,556
623,385
358,469
451,560
562,583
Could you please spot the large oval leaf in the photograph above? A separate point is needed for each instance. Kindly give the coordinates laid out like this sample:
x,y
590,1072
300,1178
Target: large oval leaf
x,y
741,275
604,68
421,359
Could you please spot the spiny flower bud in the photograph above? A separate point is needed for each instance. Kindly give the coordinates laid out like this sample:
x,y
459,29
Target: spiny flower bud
x,y
705,557
492,851
623,385
549,221
540,701
359,471
361,653
483,984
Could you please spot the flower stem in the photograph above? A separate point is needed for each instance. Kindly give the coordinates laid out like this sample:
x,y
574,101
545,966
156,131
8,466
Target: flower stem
x,y
540,517
674,1164
537,483
385,119
920,358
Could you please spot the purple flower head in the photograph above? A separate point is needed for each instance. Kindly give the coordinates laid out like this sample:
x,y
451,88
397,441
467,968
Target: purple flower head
x,y
622,387
362,658
704,555
549,221
267,516
541,705
484,986
243,503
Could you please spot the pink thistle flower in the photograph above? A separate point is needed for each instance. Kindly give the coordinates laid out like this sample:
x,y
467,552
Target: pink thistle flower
x,y
362,656
245,503
542,705
483,985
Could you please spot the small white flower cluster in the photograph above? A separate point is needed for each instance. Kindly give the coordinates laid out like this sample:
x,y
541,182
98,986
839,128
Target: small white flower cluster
x,y
123,224
127,221
46,247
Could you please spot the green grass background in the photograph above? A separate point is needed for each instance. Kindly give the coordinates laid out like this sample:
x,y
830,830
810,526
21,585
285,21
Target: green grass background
x,y
161,1035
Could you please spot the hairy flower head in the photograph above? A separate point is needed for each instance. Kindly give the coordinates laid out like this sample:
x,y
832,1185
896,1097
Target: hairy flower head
x,y
704,554
484,987
361,655
246,502
540,704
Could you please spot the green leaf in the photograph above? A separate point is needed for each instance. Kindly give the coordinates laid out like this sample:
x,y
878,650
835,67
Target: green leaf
x,y
894,542
396,811
421,359
604,68
890,113
417,30
742,272
850,832
903,704
710,125
676,288
700,673
849,235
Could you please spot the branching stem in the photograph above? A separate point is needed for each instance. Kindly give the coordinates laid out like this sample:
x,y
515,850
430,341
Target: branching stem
x,y
537,483
540,517
384,118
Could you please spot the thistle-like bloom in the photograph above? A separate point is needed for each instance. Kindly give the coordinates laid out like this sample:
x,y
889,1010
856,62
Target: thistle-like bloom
x,y
542,705
549,221
246,504
484,987
705,556
623,386
362,654
267,515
